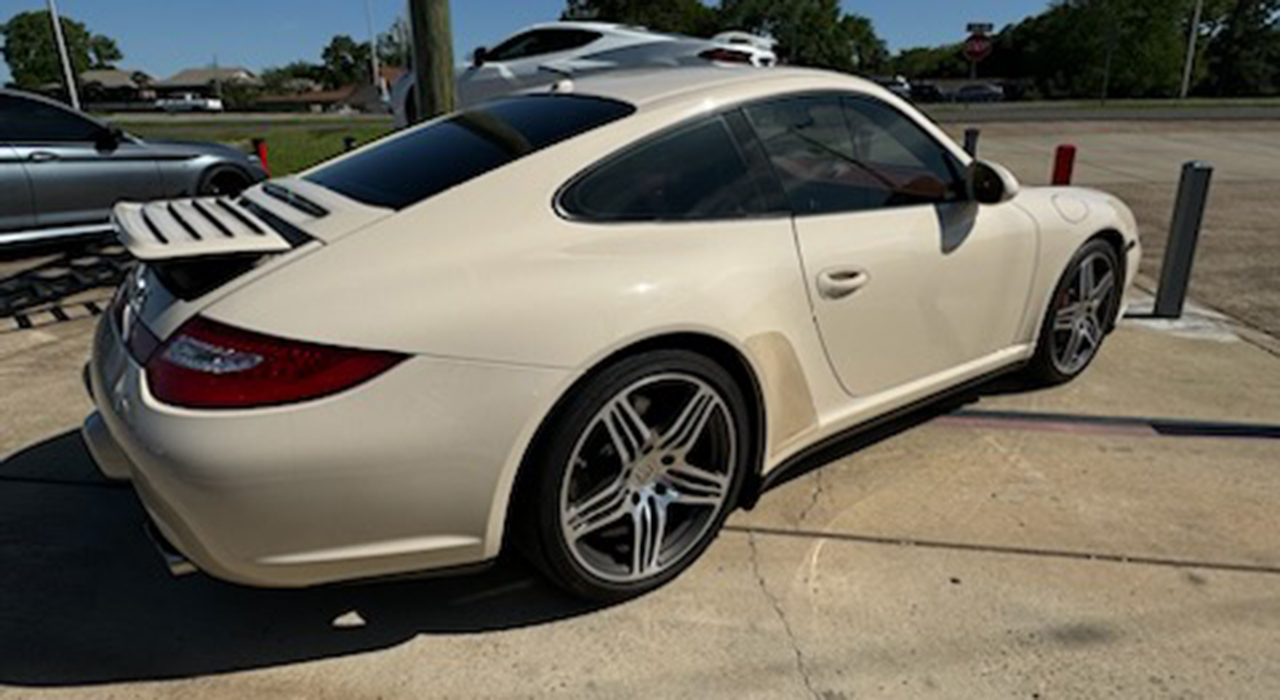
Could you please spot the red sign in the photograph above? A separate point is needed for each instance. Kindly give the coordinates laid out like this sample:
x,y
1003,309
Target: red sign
x,y
978,47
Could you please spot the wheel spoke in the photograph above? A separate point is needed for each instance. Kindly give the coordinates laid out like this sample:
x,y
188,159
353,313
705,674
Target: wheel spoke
x,y
627,430
1073,346
1091,333
607,506
649,519
688,426
696,486
1102,290
1086,280
1065,318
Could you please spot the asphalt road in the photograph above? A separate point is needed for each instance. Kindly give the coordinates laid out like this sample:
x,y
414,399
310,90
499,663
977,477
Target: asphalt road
x,y
1049,112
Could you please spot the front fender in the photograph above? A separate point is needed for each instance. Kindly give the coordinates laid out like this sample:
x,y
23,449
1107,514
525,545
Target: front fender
x,y
1068,218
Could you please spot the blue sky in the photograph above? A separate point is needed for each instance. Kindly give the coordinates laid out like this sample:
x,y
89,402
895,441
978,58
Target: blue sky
x,y
164,36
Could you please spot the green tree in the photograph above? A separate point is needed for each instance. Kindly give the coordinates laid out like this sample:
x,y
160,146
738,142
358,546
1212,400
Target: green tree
x,y
1087,48
689,17
810,32
292,77
346,61
870,54
395,46
931,62
32,54
1244,57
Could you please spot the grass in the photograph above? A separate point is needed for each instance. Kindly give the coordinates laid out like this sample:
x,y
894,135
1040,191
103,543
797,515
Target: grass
x,y
292,146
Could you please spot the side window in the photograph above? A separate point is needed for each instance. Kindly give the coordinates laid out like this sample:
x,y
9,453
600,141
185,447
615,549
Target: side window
x,y
693,173
28,121
838,154
540,42
921,170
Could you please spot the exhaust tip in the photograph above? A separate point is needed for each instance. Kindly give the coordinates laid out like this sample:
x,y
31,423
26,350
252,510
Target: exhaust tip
x,y
177,564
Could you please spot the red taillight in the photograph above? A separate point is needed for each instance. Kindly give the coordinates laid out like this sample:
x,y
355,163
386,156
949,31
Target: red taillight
x,y
722,55
207,364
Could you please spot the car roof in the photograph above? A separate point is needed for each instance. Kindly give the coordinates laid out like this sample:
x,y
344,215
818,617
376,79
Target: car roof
x,y
605,27
647,87
48,101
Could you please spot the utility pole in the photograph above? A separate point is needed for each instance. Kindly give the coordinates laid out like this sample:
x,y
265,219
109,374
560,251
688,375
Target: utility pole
x,y
1191,50
217,79
376,76
432,57
68,73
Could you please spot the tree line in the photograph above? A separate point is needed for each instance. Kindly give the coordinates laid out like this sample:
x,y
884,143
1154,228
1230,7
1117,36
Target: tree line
x,y
1125,48
32,55
1074,49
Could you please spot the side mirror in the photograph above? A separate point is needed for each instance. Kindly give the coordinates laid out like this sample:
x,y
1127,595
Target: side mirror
x,y
110,137
990,183
479,57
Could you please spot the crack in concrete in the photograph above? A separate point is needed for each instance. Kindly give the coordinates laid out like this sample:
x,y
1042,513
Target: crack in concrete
x,y
801,667
818,490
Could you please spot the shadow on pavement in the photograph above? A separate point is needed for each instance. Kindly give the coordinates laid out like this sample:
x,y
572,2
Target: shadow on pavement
x,y
71,272
85,600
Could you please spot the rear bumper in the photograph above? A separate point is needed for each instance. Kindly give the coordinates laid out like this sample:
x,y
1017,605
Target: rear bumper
x,y
407,473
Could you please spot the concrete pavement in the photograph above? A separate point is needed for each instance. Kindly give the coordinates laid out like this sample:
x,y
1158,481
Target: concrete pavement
x,y
975,554
1094,540
1141,162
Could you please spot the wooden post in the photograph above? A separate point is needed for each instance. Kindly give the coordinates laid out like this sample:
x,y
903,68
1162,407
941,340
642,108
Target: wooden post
x,y
432,57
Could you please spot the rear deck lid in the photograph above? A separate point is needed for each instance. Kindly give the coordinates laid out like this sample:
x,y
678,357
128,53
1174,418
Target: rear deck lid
x,y
273,217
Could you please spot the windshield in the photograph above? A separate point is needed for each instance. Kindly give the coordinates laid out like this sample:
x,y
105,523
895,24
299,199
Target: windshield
x,y
407,169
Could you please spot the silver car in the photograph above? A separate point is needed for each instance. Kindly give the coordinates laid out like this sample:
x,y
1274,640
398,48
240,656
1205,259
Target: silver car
x,y
61,171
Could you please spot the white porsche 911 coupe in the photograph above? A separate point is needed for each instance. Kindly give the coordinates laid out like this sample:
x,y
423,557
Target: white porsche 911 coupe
x,y
584,322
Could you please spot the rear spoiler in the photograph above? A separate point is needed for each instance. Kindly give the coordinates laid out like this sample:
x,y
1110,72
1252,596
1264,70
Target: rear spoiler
x,y
206,226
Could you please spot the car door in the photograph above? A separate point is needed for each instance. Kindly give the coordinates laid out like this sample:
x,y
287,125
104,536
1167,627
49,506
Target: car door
x,y
15,193
907,277
517,63
76,173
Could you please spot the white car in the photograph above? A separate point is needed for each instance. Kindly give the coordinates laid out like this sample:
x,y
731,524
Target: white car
x,y
587,324
546,53
189,102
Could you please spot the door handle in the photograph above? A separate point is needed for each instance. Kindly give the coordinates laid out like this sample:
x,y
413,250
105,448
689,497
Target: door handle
x,y
42,157
838,283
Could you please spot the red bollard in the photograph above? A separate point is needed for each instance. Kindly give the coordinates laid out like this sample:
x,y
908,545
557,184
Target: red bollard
x,y
1064,165
260,147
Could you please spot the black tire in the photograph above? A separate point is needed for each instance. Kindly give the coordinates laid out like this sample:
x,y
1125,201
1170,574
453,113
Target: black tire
x,y
538,529
1054,364
223,181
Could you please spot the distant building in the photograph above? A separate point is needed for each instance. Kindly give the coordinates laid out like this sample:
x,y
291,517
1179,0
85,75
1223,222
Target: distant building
x,y
355,98
205,81
117,85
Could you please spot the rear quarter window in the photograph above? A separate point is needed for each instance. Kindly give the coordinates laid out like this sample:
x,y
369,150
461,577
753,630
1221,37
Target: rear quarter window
x,y
696,172
406,169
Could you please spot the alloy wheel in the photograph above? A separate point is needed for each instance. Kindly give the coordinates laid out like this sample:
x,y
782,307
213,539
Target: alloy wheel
x,y
1079,316
648,478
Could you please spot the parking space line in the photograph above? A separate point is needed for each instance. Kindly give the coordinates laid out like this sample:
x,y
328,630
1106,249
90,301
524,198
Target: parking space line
x,y
1125,426
1004,549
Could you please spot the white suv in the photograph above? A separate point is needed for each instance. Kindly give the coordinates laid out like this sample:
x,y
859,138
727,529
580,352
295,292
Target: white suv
x,y
544,53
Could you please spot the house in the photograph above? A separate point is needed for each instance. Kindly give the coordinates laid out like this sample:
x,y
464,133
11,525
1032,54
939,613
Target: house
x,y
357,98
206,81
116,85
